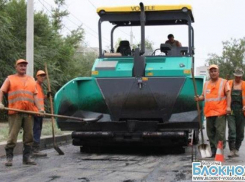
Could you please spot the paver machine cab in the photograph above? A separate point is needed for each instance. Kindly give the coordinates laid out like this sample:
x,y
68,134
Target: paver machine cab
x,y
144,100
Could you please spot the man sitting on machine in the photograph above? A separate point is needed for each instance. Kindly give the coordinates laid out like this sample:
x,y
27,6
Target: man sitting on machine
x,y
172,42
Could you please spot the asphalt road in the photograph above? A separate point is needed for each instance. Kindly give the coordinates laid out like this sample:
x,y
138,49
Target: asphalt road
x,y
111,165
122,166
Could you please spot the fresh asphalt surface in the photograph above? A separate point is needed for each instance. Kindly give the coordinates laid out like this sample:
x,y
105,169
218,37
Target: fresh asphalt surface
x,y
115,165
110,165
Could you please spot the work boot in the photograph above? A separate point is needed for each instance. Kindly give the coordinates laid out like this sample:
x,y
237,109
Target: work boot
x,y
9,162
232,149
238,145
26,156
9,156
213,152
36,151
232,153
236,153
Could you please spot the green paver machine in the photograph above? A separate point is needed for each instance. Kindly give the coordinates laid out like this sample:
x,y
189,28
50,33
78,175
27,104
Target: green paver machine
x,y
145,100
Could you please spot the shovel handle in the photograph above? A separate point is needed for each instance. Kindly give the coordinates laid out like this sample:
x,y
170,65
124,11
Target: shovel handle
x,y
44,114
198,107
50,99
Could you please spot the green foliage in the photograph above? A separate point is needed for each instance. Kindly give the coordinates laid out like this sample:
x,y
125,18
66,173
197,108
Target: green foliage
x,y
117,44
8,43
148,45
58,14
46,130
87,63
50,46
233,56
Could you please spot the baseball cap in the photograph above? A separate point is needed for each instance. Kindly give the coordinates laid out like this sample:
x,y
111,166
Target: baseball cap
x,y
40,72
21,61
213,66
238,72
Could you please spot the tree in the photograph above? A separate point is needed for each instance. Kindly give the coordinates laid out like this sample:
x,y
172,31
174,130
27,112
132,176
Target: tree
x,y
149,45
58,14
10,45
50,45
233,55
117,44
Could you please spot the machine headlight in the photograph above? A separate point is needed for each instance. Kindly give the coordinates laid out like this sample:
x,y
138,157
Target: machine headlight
x,y
184,10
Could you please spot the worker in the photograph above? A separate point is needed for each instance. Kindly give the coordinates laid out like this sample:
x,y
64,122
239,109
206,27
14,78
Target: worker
x,y
172,42
38,120
216,95
22,94
236,118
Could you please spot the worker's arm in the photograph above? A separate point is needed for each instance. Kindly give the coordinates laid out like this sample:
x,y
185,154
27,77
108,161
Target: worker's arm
x,y
1,99
243,87
199,98
37,103
228,98
179,44
4,89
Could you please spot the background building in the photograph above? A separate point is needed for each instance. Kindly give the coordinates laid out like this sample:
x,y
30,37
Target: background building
x,y
202,71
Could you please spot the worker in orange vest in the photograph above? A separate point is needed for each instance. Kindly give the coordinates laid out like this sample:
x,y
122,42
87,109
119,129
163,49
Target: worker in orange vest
x,y
216,95
22,94
38,120
236,118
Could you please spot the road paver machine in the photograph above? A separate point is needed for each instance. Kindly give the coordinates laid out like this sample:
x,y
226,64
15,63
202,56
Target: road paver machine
x,y
134,98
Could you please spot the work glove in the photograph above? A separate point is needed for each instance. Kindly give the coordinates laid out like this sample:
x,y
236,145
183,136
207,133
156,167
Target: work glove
x,y
1,106
49,94
42,113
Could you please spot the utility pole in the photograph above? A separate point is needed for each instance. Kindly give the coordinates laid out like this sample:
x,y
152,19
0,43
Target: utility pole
x,y
30,37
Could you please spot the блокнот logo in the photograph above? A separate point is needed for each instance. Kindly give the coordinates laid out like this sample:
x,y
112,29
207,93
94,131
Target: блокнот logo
x,y
215,171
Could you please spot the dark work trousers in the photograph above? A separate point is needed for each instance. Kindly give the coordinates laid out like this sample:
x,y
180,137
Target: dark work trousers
x,y
37,128
236,119
216,130
16,122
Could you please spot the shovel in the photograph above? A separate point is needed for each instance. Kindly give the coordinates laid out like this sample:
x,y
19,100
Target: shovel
x,y
80,120
56,147
204,149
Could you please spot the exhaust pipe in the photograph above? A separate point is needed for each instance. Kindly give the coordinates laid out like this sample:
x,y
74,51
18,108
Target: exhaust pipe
x,y
142,23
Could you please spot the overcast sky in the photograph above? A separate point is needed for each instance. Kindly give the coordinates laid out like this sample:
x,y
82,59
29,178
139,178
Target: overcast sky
x,y
215,21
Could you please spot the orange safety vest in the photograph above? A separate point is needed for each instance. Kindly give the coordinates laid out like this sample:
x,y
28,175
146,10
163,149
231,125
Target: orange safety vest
x,y
40,95
243,92
21,94
215,98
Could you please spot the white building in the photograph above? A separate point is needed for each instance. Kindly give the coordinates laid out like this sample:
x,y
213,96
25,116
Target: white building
x,y
202,71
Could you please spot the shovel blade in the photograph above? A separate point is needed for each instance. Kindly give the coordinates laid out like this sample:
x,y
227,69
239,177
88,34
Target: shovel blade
x,y
60,152
205,150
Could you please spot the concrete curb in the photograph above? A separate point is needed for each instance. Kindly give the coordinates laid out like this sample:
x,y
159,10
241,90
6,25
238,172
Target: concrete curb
x,y
46,143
